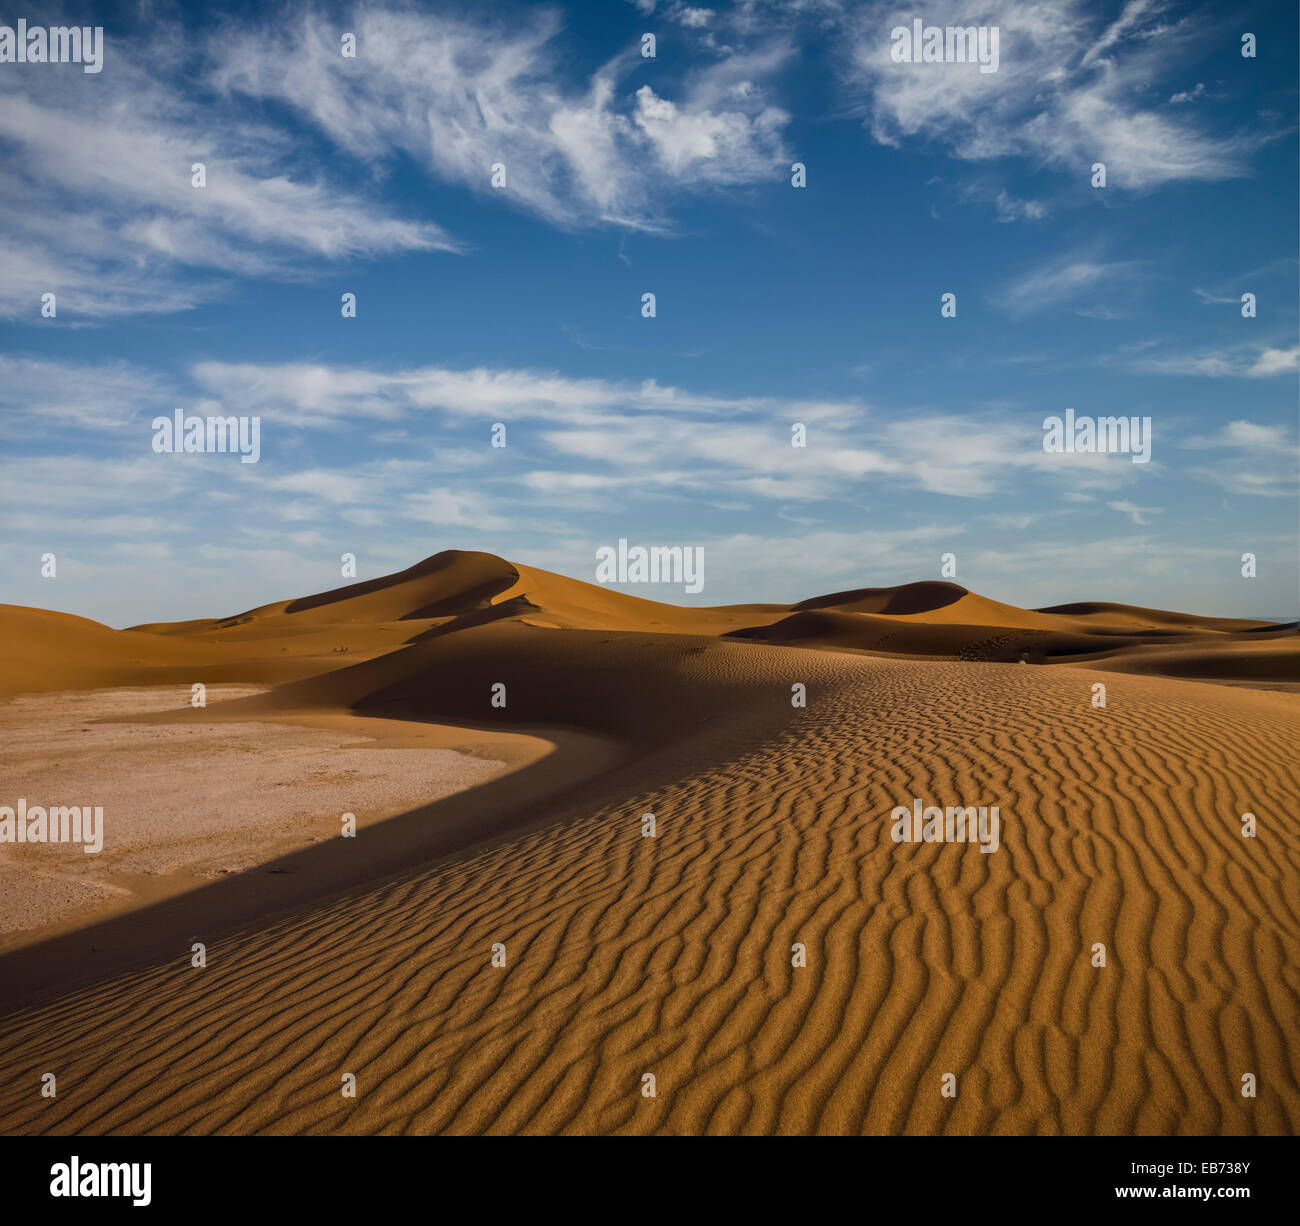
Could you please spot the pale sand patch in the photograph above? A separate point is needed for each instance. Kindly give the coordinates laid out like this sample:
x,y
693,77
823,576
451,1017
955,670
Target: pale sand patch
x,y
190,802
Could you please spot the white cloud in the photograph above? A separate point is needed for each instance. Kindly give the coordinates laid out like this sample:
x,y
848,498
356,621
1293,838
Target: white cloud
x,y
321,395
331,486
102,210
38,395
450,508
1066,92
1248,362
1139,515
1252,458
1272,362
606,438
1064,280
727,147
1010,209
693,18
460,95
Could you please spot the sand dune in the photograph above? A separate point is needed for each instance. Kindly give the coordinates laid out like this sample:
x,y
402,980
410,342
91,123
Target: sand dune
x,y
1132,616
672,955
455,591
946,620
1245,655
41,650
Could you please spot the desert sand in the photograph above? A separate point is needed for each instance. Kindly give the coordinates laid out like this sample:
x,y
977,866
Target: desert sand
x,y
192,801
674,955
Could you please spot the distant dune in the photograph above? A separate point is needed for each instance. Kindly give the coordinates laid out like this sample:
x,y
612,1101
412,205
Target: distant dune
x,y
455,591
771,956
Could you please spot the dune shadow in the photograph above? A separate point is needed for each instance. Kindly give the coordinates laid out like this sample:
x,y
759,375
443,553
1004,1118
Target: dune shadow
x,y
522,799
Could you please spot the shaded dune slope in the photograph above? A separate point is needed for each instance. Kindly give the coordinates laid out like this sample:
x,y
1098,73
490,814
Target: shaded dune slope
x,y
629,684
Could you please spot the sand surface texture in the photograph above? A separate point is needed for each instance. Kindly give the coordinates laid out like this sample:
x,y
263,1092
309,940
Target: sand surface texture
x,y
672,956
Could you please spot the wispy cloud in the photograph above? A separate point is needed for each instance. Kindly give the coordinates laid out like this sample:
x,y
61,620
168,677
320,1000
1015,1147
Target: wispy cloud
x,y
1247,362
1069,92
1139,515
1209,299
462,94
113,222
317,394
1252,458
38,395
593,439
1066,280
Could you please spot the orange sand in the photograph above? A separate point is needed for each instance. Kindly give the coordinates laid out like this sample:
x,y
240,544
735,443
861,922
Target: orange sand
x,y
672,955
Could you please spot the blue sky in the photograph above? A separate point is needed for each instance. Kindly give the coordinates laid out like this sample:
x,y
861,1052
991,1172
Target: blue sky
x,y
670,175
